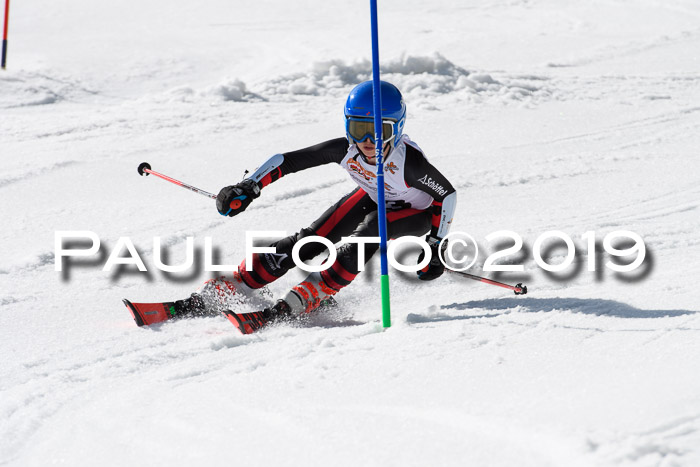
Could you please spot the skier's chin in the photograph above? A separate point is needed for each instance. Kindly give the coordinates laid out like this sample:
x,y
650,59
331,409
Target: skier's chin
x,y
368,150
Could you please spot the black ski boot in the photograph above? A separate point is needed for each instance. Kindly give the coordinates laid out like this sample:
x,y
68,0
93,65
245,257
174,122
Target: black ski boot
x,y
191,307
327,303
280,310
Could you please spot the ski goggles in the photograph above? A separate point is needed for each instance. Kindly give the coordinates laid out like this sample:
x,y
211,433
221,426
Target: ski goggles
x,y
361,129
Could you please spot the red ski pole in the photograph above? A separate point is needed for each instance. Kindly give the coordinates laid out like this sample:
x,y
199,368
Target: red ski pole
x,y
519,289
145,169
4,35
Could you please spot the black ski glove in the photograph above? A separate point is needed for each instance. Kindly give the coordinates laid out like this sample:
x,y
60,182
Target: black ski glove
x,y
235,199
435,268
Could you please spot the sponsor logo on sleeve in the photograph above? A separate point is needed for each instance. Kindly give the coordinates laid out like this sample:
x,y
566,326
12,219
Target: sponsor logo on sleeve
x,y
433,185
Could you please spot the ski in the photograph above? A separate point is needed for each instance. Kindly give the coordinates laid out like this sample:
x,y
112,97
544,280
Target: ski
x,y
146,314
247,323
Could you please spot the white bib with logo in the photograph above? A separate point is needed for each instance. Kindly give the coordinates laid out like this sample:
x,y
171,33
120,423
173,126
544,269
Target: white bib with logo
x,y
365,175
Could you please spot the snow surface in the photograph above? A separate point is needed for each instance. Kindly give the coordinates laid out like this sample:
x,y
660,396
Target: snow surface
x,y
546,115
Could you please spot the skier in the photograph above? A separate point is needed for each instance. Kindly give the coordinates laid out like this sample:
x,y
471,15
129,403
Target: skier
x,y
420,200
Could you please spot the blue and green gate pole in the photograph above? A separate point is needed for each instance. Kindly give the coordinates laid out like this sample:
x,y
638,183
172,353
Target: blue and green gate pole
x,y
379,143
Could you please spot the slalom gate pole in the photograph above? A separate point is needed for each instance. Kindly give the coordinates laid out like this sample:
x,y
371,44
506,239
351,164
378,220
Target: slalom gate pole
x,y
379,144
145,169
4,35
519,289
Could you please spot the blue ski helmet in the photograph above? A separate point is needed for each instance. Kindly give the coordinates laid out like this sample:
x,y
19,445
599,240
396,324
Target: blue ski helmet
x,y
359,113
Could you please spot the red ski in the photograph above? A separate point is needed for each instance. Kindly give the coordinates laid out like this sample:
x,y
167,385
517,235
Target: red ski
x,y
247,323
146,314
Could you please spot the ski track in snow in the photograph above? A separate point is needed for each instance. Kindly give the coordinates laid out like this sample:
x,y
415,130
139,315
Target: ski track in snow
x,y
9,179
178,356
632,48
661,445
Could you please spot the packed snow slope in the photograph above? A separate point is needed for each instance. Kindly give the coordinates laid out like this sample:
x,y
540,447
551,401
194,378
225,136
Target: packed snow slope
x,y
545,115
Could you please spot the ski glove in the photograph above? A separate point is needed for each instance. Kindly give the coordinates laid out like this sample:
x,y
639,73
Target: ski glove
x,y
235,199
435,268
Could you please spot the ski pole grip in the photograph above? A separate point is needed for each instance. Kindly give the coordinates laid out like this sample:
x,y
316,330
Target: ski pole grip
x,y
235,204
